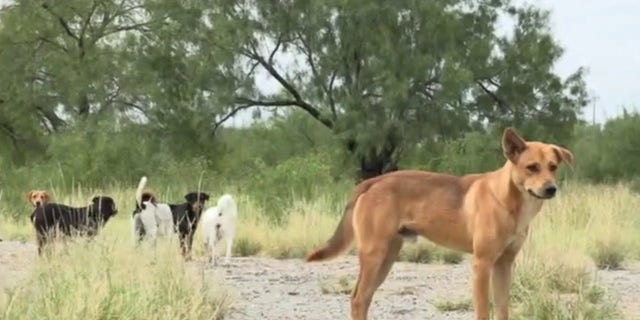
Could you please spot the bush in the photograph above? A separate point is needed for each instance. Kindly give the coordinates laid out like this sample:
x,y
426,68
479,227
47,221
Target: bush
x,y
608,254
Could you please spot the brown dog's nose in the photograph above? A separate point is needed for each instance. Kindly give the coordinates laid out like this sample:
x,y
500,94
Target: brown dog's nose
x,y
550,191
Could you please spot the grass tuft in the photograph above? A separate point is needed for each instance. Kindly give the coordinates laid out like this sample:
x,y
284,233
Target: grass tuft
x,y
451,306
608,254
342,285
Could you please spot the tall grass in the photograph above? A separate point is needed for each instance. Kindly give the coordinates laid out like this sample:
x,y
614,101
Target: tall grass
x,y
584,228
106,279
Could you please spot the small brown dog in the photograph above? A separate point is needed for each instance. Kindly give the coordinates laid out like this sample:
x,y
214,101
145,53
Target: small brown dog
x,y
39,197
485,214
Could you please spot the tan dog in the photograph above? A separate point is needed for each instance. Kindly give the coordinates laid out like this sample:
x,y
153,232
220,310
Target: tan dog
x,y
38,197
486,214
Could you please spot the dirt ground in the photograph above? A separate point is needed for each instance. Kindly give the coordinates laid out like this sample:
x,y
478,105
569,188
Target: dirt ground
x,y
290,289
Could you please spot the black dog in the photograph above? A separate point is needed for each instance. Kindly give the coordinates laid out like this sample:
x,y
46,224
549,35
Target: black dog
x,y
185,219
84,221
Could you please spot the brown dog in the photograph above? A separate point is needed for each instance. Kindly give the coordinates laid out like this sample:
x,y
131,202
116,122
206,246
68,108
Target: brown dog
x,y
486,214
38,197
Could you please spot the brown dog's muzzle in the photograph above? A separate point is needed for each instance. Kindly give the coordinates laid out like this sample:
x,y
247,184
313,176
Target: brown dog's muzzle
x,y
547,191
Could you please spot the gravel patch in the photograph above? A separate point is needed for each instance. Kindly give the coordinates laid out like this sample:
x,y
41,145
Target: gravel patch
x,y
291,289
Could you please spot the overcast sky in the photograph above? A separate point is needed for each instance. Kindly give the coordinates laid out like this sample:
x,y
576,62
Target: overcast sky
x,y
602,36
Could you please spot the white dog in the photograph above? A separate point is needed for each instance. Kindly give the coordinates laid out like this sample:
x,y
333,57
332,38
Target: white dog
x,y
150,218
219,223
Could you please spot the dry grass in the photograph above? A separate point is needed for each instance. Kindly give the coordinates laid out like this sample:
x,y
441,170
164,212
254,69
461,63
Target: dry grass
x,y
108,280
583,228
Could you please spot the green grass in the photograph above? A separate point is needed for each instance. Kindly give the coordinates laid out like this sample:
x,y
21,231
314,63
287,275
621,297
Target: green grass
x,y
450,306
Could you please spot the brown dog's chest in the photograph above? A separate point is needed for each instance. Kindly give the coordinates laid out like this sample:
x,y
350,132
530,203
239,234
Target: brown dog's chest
x,y
524,215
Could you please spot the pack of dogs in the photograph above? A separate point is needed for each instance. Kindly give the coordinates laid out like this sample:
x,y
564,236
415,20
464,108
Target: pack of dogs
x,y
484,214
150,219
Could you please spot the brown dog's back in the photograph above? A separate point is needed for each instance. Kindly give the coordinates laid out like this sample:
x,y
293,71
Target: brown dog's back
x,y
404,183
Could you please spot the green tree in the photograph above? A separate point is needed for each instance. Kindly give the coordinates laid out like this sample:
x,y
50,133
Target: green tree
x,y
61,63
609,153
382,75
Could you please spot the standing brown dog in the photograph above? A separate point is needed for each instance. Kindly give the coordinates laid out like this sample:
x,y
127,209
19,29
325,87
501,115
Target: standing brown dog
x,y
486,214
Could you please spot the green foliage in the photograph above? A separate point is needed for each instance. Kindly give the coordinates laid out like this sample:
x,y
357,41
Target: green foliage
x,y
303,177
610,153
475,152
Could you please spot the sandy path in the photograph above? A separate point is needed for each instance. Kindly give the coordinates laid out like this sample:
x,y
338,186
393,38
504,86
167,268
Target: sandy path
x,y
290,289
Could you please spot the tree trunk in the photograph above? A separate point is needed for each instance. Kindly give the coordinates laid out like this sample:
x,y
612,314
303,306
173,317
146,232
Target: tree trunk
x,y
375,162
83,106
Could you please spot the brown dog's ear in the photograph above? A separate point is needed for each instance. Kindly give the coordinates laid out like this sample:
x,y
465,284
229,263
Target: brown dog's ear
x,y
564,155
48,197
29,195
512,144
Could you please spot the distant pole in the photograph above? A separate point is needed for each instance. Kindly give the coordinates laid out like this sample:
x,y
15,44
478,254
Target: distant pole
x,y
595,100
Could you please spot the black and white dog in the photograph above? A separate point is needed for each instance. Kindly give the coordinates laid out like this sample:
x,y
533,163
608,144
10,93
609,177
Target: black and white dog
x,y
186,216
51,218
150,218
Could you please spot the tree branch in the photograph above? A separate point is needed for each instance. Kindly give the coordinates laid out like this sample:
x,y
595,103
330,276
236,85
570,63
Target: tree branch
x,y
54,43
107,18
217,124
501,103
306,49
63,23
275,49
258,103
83,28
332,102
133,106
11,133
299,102
55,121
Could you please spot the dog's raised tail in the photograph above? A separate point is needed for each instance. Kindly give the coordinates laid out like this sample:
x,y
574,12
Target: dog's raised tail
x,y
141,184
343,235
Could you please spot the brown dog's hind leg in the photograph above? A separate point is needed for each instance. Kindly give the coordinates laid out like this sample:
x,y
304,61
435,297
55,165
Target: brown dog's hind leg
x,y
375,265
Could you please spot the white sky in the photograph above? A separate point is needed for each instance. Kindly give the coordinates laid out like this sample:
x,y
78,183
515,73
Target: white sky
x,y
598,35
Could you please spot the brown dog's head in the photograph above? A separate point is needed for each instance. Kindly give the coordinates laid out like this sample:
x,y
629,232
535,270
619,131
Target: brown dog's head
x,y
534,164
38,197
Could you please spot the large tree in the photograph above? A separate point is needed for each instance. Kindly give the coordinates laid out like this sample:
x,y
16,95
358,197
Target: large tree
x,y
384,74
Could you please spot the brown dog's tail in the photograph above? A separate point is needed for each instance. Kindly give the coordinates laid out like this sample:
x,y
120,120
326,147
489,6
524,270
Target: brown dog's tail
x,y
343,235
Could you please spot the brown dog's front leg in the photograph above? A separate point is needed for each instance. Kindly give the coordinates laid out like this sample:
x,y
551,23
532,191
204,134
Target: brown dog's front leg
x,y
502,279
481,276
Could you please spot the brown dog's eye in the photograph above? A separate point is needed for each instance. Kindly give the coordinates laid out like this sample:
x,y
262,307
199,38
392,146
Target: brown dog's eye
x,y
553,167
533,168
